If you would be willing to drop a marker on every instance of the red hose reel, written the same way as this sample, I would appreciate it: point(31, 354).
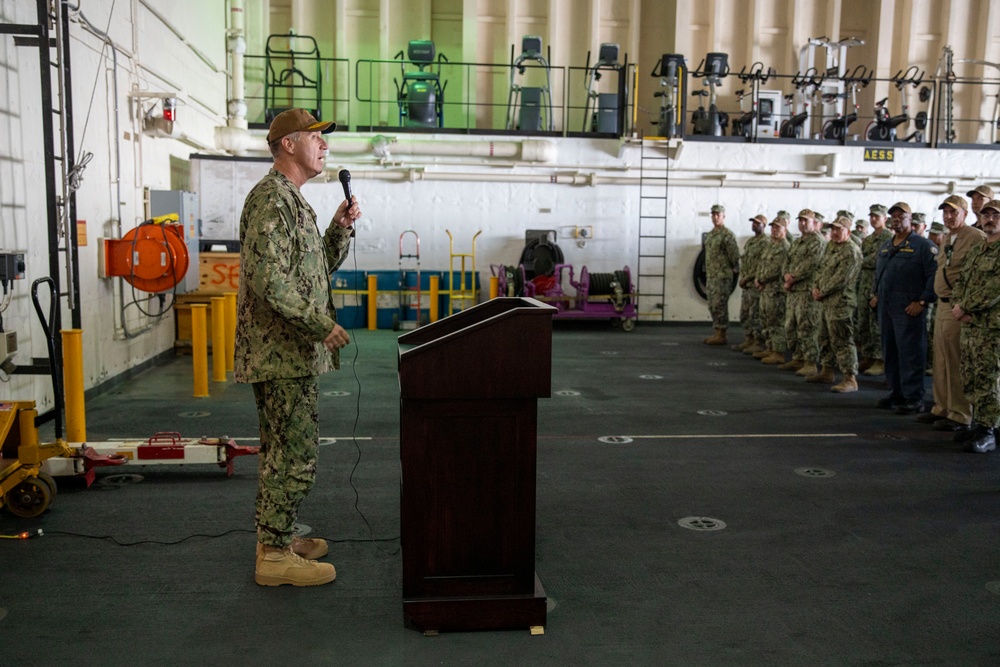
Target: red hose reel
point(152, 257)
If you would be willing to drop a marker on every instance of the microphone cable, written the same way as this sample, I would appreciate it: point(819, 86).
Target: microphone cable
point(357, 412)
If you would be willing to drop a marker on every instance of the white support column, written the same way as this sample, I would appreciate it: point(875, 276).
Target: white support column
point(884, 47)
point(753, 34)
point(470, 44)
point(987, 20)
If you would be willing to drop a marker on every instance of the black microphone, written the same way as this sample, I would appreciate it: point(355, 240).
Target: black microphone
point(345, 180)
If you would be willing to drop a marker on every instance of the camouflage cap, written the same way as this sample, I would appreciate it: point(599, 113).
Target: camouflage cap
point(762, 219)
point(842, 221)
point(784, 215)
point(993, 205)
point(861, 223)
point(937, 227)
point(902, 206)
point(983, 190)
point(819, 216)
point(805, 214)
point(845, 214)
point(919, 219)
point(718, 208)
point(956, 202)
point(877, 209)
point(781, 222)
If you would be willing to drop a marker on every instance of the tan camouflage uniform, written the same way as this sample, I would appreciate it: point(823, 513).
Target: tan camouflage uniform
point(977, 292)
point(769, 273)
point(868, 338)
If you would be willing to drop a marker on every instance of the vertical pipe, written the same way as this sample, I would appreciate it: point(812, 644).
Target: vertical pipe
point(372, 302)
point(230, 298)
point(494, 287)
point(76, 419)
point(218, 339)
point(199, 349)
point(432, 309)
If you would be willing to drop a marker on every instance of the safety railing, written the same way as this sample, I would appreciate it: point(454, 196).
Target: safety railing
point(910, 108)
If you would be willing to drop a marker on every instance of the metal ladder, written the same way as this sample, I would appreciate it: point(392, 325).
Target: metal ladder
point(50, 36)
point(651, 275)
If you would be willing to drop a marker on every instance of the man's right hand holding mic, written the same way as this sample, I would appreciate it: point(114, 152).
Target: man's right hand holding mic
point(346, 214)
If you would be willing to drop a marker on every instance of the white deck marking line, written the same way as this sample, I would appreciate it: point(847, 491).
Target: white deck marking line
point(745, 435)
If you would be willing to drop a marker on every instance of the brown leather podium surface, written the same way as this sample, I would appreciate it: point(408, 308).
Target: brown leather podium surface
point(469, 388)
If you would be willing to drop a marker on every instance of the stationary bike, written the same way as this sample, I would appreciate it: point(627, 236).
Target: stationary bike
point(837, 128)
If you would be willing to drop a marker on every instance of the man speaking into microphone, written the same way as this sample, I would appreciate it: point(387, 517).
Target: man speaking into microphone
point(286, 335)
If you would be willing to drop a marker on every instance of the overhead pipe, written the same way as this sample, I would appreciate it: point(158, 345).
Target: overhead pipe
point(592, 179)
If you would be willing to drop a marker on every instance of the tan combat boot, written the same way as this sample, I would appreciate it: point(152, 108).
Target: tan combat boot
point(757, 346)
point(719, 338)
point(774, 358)
point(846, 386)
point(793, 365)
point(277, 566)
point(877, 368)
point(309, 548)
point(864, 364)
point(825, 376)
point(807, 370)
point(760, 354)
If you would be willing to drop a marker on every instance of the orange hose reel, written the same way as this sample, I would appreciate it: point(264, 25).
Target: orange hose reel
point(152, 257)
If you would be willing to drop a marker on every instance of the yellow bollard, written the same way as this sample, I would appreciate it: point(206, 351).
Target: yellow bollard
point(494, 287)
point(372, 302)
point(218, 339)
point(432, 309)
point(199, 349)
point(230, 298)
point(76, 418)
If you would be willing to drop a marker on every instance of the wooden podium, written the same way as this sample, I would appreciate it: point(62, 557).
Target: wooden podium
point(469, 388)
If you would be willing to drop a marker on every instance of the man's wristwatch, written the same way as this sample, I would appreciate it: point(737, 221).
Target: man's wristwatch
point(923, 304)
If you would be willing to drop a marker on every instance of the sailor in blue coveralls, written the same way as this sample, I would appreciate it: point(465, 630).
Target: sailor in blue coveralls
point(904, 287)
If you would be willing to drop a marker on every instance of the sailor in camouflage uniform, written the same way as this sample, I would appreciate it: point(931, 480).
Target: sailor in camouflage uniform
point(976, 304)
point(722, 264)
point(286, 335)
point(768, 280)
point(802, 314)
point(868, 337)
point(750, 301)
point(835, 289)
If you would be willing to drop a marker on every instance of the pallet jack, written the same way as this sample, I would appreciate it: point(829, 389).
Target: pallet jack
point(28, 468)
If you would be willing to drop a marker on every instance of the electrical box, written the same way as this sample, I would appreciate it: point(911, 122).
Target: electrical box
point(11, 266)
point(187, 207)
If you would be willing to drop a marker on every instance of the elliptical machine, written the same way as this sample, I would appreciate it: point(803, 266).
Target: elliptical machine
point(758, 114)
point(712, 69)
point(533, 105)
point(601, 111)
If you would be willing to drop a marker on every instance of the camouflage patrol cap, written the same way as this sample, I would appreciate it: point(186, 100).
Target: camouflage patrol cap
point(819, 217)
point(993, 205)
point(861, 223)
point(780, 222)
point(919, 219)
point(956, 202)
point(845, 214)
point(877, 209)
point(842, 221)
point(983, 190)
point(937, 227)
point(718, 208)
point(805, 214)
point(902, 206)
point(784, 215)
point(762, 219)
